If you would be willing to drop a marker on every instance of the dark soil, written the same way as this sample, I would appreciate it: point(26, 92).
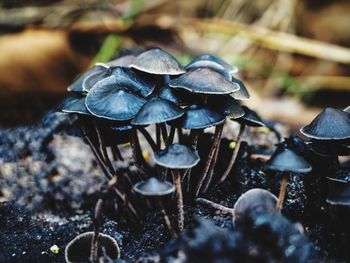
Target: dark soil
point(54, 183)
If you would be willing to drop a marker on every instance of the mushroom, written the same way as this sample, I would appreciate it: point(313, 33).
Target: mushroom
point(207, 58)
point(286, 161)
point(329, 126)
point(250, 118)
point(155, 189)
point(177, 157)
point(123, 61)
point(251, 200)
point(78, 249)
point(339, 192)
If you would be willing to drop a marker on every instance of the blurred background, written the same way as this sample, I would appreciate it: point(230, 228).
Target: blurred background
point(294, 55)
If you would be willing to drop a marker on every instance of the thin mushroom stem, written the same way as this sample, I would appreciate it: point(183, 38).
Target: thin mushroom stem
point(179, 199)
point(158, 136)
point(116, 153)
point(164, 132)
point(234, 154)
point(171, 136)
point(221, 208)
point(180, 135)
point(148, 138)
point(215, 143)
point(194, 136)
point(103, 148)
point(282, 193)
point(166, 218)
point(140, 163)
point(334, 159)
point(97, 222)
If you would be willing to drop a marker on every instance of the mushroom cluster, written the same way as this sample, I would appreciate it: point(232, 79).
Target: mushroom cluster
point(153, 95)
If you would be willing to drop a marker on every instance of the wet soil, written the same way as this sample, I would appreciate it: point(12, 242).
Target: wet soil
point(50, 183)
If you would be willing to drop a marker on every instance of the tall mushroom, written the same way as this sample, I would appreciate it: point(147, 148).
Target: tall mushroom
point(155, 189)
point(286, 161)
point(178, 158)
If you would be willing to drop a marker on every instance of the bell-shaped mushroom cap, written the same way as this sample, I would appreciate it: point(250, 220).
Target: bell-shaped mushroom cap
point(113, 103)
point(78, 250)
point(167, 93)
point(95, 77)
point(153, 187)
point(251, 118)
point(157, 110)
point(254, 199)
point(242, 93)
point(77, 85)
point(288, 161)
point(207, 57)
point(211, 65)
point(204, 81)
point(124, 62)
point(347, 109)
point(339, 192)
point(226, 105)
point(176, 156)
point(74, 105)
point(196, 117)
point(157, 61)
point(330, 124)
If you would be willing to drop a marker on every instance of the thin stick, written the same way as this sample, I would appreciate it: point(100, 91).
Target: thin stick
point(179, 199)
point(234, 154)
point(97, 222)
point(166, 218)
point(221, 208)
point(215, 143)
point(282, 193)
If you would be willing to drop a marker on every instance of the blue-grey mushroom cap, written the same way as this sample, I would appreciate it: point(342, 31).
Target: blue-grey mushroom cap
point(168, 93)
point(177, 156)
point(288, 161)
point(339, 192)
point(79, 249)
point(94, 78)
point(124, 62)
point(211, 65)
point(113, 103)
point(254, 199)
point(204, 81)
point(157, 61)
point(347, 109)
point(157, 110)
point(77, 85)
point(226, 105)
point(207, 57)
point(242, 93)
point(330, 124)
point(153, 187)
point(196, 117)
point(74, 105)
point(251, 118)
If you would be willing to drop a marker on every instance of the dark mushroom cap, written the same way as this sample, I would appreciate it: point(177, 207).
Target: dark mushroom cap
point(157, 61)
point(207, 57)
point(250, 118)
point(242, 93)
point(330, 124)
point(325, 147)
point(211, 65)
point(288, 161)
point(153, 187)
point(124, 62)
point(167, 93)
point(176, 156)
point(78, 250)
point(339, 192)
point(74, 105)
point(254, 199)
point(204, 81)
point(347, 109)
point(196, 117)
point(226, 105)
point(95, 77)
point(157, 110)
point(113, 103)
point(77, 85)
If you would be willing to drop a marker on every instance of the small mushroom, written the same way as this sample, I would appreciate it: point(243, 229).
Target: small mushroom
point(157, 61)
point(330, 125)
point(124, 61)
point(232, 69)
point(242, 93)
point(339, 192)
point(251, 200)
point(155, 189)
point(75, 105)
point(177, 157)
point(168, 93)
point(95, 77)
point(204, 81)
point(250, 118)
point(286, 161)
point(78, 250)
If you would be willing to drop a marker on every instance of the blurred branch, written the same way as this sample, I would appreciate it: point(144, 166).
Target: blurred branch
point(266, 38)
